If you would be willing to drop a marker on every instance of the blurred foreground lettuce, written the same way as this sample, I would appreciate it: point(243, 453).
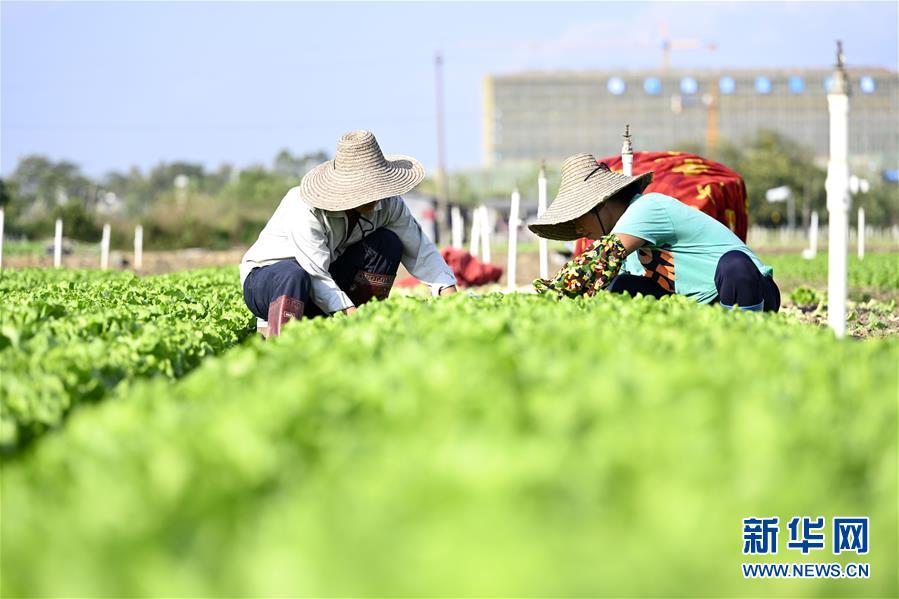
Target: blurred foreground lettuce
point(513, 446)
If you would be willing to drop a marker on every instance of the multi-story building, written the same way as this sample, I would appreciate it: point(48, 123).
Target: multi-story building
point(551, 115)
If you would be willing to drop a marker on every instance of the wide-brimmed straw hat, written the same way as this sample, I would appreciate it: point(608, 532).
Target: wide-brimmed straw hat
point(585, 185)
point(359, 174)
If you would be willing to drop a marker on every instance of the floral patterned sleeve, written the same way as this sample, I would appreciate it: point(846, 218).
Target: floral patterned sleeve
point(588, 272)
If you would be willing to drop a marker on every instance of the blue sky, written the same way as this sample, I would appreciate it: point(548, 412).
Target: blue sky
point(111, 85)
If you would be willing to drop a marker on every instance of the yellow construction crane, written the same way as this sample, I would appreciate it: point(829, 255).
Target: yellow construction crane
point(669, 44)
point(600, 43)
point(711, 99)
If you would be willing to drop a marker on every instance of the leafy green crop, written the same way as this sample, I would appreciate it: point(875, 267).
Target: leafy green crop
point(463, 446)
point(68, 337)
point(875, 271)
point(803, 296)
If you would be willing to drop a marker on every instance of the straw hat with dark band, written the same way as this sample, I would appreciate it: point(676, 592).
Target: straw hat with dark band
point(359, 174)
point(585, 185)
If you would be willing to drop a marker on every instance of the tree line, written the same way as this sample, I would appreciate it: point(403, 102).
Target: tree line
point(182, 204)
point(179, 204)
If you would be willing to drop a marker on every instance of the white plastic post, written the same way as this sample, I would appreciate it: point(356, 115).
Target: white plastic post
point(458, 227)
point(627, 153)
point(513, 239)
point(541, 208)
point(104, 247)
point(627, 164)
point(1, 237)
point(791, 213)
point(486, 230)
point(138, 247)
point(838, 198)
point(812, 250)
point(475, 237)
point(861, 233)
point(57, 244)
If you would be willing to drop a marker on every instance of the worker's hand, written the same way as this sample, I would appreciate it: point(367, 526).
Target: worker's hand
point(448, 290)
point(349, 311)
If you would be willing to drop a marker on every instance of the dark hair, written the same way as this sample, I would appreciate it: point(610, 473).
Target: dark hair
point(627, 192)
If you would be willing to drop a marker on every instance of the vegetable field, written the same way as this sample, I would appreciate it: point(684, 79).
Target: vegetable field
point(471, 445)
point(69, 337)
point(876, 274)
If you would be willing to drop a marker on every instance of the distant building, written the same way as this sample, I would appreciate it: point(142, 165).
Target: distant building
point(551, 115)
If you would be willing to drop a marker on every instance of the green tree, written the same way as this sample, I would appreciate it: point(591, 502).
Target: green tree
point(42, 184)
point(292, 168)
point(5, 195)
point(256, 189)
point(79, 223)
point(771, 160)
point(881, 205)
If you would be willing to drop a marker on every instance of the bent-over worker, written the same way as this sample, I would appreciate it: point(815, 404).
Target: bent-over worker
point(337, 240)
point(647, 243)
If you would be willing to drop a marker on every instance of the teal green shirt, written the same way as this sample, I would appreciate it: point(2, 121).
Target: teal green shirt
point(683, 247)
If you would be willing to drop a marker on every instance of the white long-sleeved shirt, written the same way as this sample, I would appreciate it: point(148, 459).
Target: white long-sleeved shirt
point(315, 238)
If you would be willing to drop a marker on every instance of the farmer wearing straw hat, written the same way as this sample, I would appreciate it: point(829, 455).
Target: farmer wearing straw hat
point(647, 243)
point(337, 240)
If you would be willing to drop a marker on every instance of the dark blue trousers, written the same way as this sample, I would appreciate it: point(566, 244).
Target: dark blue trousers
point(737, 280)
point(378, 253)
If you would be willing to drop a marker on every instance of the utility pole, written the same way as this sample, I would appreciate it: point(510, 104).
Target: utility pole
point(441, 181)
point(838, 198)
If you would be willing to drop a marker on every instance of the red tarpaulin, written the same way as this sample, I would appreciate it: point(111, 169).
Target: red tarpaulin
point(469, 270)
point(709, 186)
